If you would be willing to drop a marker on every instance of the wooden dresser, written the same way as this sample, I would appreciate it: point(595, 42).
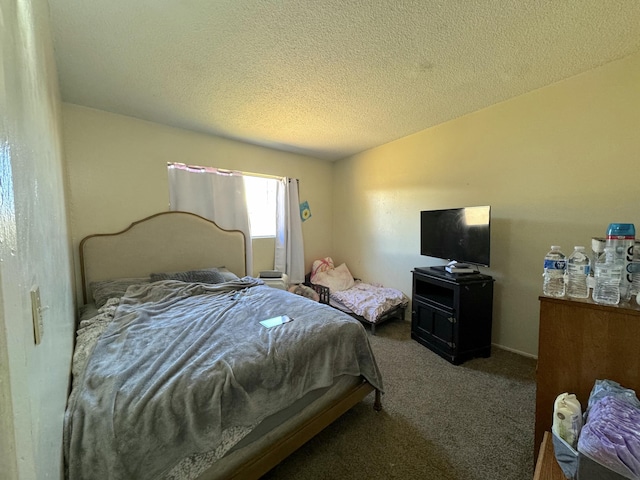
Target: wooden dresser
point(581, 342)
point(547, 467)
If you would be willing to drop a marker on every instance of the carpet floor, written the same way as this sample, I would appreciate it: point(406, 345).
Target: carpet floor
point(474, 421)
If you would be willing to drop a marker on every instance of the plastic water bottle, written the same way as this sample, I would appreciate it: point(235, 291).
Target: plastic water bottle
point(608, 274)
point(621, 236)
point(597, 247)
point(578, 266)
point(554, 270)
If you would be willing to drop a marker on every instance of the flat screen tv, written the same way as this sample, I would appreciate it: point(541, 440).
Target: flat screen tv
point(457, 234)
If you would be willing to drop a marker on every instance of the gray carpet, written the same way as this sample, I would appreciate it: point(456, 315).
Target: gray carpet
point(439, 421)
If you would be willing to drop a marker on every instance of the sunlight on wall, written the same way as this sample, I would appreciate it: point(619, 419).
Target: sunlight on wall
point(8, 235)
point(503, 156)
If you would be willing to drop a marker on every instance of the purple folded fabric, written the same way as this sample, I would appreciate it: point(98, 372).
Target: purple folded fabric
point(611, 435)
point(606, 388)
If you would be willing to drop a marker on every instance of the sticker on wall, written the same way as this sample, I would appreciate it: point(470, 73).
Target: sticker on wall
point(305, 211)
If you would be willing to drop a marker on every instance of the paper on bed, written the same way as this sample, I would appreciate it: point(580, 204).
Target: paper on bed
point(182, 363)
point(275, 321)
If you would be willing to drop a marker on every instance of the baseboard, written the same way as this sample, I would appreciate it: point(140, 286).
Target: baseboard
point(513, 350)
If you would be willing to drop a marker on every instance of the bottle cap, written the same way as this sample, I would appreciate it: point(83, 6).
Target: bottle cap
point(577, 247)
point(621, 230)
point(597, 244)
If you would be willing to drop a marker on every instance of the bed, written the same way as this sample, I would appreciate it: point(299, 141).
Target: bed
point(173, 375)
point(371, 304)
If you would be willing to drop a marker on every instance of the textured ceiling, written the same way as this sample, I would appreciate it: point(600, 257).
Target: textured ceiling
point(327, 78)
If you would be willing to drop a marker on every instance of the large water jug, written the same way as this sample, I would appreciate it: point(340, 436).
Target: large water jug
point(621, 236)
point(635, 269)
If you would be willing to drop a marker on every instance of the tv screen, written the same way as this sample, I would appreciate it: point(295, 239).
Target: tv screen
point(460, 234)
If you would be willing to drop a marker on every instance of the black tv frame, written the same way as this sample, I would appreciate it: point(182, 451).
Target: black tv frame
point(445, 235)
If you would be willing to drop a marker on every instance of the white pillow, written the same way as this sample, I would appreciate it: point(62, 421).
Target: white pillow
point(337, 279)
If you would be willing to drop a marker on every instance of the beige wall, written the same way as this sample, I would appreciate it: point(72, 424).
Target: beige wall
point(34, 248)
point(118, 174)
point(550, 163)
point(557, 166)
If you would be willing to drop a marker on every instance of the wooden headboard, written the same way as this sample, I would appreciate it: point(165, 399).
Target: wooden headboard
point(164, 242)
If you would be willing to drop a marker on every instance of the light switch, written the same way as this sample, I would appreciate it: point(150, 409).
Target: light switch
point(36, 315)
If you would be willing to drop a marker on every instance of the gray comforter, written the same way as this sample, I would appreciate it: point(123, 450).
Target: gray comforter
point(180, 364)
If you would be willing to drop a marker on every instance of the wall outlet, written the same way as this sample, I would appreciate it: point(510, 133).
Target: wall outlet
point(36, 315)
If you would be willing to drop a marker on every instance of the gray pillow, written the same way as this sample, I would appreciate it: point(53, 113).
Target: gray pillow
point(228, 275)
point(209, 275)
point(106, 289)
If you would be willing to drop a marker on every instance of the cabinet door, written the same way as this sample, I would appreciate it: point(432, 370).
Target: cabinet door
point(434, 325)
point(579, 343)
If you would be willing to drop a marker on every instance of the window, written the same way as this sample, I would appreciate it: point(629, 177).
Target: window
point(260, 193)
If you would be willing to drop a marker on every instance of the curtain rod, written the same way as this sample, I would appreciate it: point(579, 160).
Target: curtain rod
point(221, 171)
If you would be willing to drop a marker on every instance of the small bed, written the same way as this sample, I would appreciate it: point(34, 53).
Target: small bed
point(369, 303)
point(173, 375)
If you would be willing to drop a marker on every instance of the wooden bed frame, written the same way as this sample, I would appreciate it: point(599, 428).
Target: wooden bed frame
point(195, 242)
point(285, 446)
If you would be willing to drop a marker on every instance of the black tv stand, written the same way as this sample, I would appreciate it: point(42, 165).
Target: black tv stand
point(452, 313)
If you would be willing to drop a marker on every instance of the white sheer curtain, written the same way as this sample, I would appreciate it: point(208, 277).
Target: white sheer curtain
point(289, 254)
point(214, 194)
